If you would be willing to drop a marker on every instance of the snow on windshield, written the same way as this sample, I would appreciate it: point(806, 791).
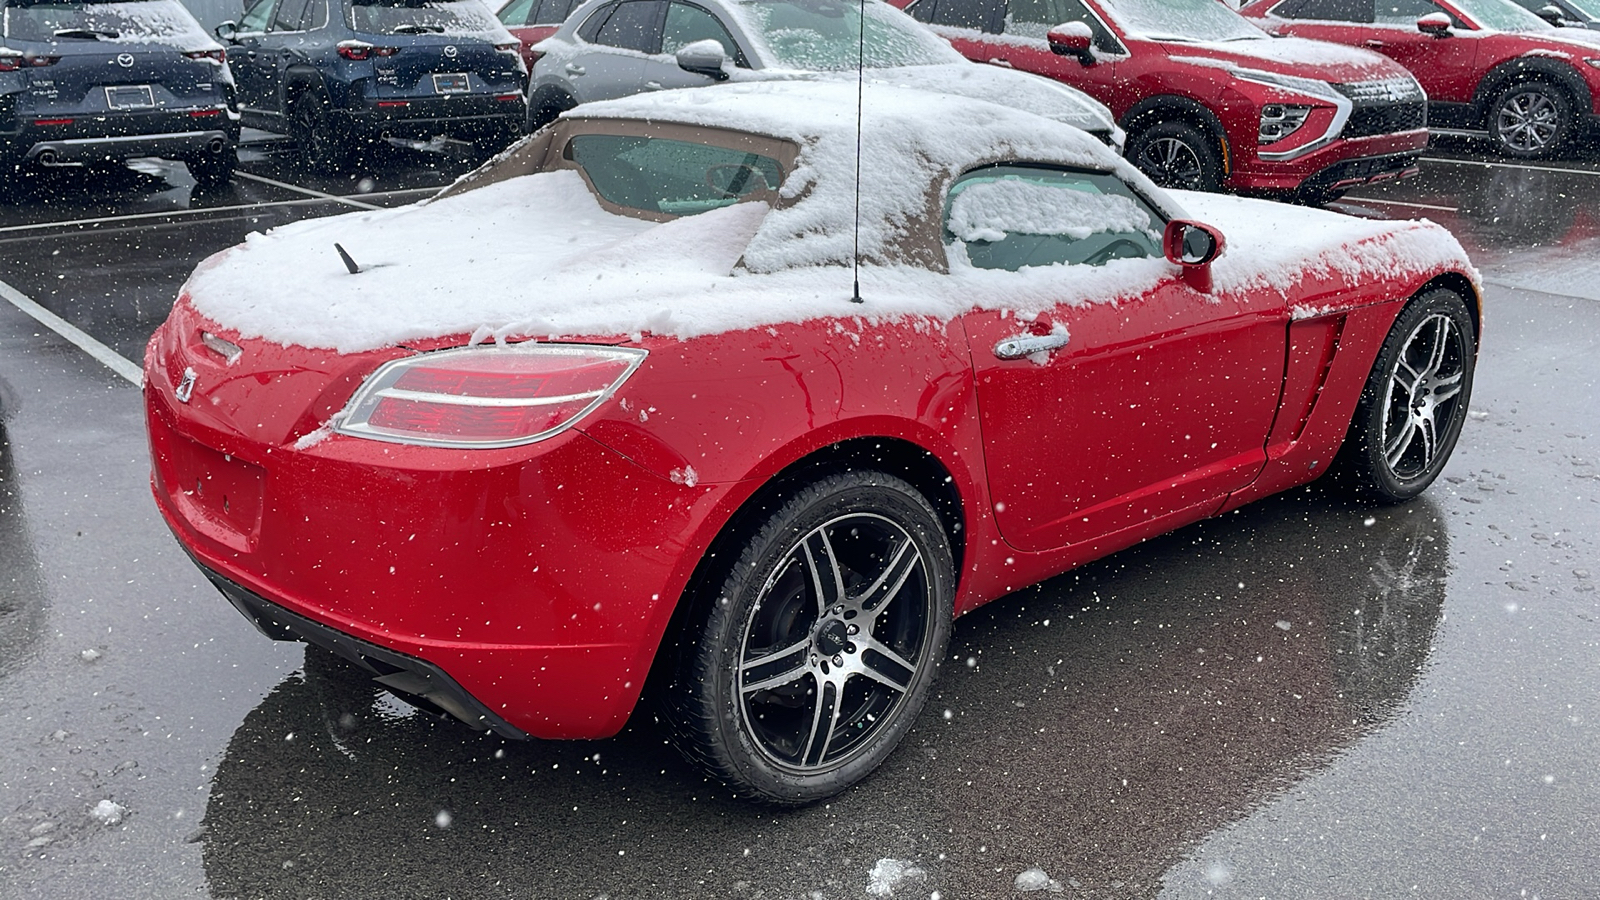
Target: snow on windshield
point(139, 22)
point(825, 35)
point(989, 211)
point(1182, 20)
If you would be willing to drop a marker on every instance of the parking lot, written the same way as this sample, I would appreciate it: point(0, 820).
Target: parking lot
point(1302, 699)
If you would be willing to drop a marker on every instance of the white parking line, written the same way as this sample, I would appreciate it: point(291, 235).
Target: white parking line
point(308, 191)
point(1500, 165)
point(197, 211)
point(113, 360)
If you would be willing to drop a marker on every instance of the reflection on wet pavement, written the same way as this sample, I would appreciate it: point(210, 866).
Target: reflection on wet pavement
point(22, 596)
point(1097, 724)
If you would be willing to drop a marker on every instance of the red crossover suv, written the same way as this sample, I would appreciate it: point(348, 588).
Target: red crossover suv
point(1489, 66)
point(1208, 100)
point(608, 410)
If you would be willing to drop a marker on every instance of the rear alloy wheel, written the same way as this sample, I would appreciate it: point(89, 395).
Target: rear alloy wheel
point(322, 149)
point(213, 170)
point(1415, 401)
point(1530, 120)
point(821, 643)
point(1177, 155)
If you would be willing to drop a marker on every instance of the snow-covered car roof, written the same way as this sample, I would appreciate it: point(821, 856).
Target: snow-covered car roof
point(505, 254)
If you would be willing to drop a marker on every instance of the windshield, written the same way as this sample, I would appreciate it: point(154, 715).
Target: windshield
point(678, 178)
point(460, 17)
point(825, 35)
point(1502, 16)
point(137, 22)
point(1182, 20)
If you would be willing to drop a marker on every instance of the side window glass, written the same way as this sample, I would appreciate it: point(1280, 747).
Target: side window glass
point(517, 13)
point(988, 16)
point(316, 15)
point(1407, 12)
point(678, 178)
point(687, 24)
point(289, 15)
point(592, 25)
point(1035, 18)
point(256, 17)
point(636, 25)
point(1359, 11)
point(1016, 217)
point(554, 12)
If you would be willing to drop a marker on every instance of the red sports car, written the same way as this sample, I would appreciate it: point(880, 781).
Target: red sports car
point(1490, 67)
point(1208, 100)
point(608, 412)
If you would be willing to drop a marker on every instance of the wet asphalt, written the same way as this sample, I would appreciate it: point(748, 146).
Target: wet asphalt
point(1302, 699)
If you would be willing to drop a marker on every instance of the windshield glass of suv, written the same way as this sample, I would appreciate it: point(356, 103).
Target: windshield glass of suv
point(825, 35)
point(1182, 20)
point(1502, 16)
point(458, 17)
point(138, 22)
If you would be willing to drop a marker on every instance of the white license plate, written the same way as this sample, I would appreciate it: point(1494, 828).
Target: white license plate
point(452, 84)
point(130, 96)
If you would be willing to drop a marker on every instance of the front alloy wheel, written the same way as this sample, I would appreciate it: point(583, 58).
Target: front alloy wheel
point(1529, 120)
point(822, 642)
point(1177, 155)
point(1415, 401)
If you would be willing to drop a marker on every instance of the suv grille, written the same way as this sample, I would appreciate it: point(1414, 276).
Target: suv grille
point(1384, 106)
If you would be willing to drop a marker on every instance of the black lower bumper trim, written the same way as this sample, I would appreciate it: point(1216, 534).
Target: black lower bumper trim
point(419, 682)
point(1351, 172)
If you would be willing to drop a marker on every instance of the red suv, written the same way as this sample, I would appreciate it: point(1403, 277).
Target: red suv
point(1489, 66)
point(1209, 101)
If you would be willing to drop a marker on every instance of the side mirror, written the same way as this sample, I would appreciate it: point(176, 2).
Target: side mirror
point(1435, 24)
point(227, 31)
point(1072, 39)
point(703, 58)
point(1551, 14)
point(1193, 246)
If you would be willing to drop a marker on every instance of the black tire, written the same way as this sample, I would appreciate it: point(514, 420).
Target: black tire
point(775, 616)
point(1530, 120)
point(544, 107)
point(213, 170)
point(322, 149)
point(1177, 155)
point(1414, 403)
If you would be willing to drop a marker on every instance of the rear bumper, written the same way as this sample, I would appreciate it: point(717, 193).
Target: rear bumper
point(172, 145)
point(479, 116)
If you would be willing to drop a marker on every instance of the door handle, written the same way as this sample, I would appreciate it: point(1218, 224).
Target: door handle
point(1374, 43)
point(653, 85)
point(250, 54)
point(1029, 344)
point(574, 69)
point(998, 61)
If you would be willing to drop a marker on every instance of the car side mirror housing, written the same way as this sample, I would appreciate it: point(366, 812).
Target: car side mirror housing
point(1193, 246)
point(1435, 24)
point(705, 57)
point(227, 31)
point(1072, 39)
point(1551, 14)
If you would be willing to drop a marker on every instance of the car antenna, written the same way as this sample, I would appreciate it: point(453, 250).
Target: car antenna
point(861, 54)
point(348, 262)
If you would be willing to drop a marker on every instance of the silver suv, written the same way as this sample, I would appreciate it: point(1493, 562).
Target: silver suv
point(612, 48)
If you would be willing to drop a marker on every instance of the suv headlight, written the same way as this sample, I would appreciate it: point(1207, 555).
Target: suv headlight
point(1279, 120)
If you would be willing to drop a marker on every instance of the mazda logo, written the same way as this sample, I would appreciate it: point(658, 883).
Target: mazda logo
point(450, 52)
point(125, 60)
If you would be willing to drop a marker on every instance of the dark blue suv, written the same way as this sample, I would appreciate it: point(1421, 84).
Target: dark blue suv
point(338, 74)
point(88, 82)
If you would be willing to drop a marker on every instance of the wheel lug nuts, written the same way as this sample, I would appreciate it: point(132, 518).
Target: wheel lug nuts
point(838, 660)
point(852, 629)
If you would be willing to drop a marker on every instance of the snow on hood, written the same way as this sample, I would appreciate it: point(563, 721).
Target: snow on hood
point(1298, 56)
point(1020, 90)
point(536, 256)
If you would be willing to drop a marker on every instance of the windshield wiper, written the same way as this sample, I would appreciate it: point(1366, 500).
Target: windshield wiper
point(417, 29)
point(88, 34)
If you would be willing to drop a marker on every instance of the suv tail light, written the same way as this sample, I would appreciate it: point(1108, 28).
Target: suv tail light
point(219, 55)
point(11, 61)
point(487, 396)
point(361, 50)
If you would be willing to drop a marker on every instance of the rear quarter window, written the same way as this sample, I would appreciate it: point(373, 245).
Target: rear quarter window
point(668, 177)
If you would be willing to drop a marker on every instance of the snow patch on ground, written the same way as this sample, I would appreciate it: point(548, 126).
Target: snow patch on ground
point(889, 874)
point(109, 813)
point(1036, 879)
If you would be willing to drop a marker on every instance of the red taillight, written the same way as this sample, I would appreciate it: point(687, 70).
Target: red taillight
point(508, 98)
point(219, 55)
point(487, 396)
point(202, 113)
point(52, 121)
point(393, 104)
point(361, 50)
point(11, 62)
